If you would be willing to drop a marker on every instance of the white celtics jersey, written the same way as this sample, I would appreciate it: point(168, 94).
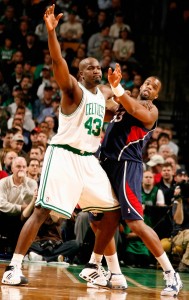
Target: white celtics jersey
point(83, 127)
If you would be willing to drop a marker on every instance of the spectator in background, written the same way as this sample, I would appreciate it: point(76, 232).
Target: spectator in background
point(50, 121)
point(41, 33)
point(137, 80)
point(20, 121)
point(6, 138)
point(151, 194)
point(165, 151)
point(126, 80)
point(16, 192)
point(181, 175)
point(18, 109)
point(7, 161)
point(118, 25)
point(3, 174)
point(33, 169)
point(17, 144)
point(45, 81)
point(17, 58)
point(43, 127)
point(72, 29)
point(173, 160)
point(150, 152)
point(26, 85)
point(90, 23)
point(2, 33)
point(167, 182)
point(49, 111)
point(33, 137)
point(156, 132)
point(163, 139)
point(47, 61)
point(41, 104)
point(32, 49)
point(6, 53)
point(172, 144)
point(10, 21)
point(155, 163)
point(179, 241)
point(22, 33)
point(5, 91)
point(43, 138)
point(124, 48)
point(16, 76)
point(16, 99)
point(96, 40)
point(135, 92)
point(35, 153)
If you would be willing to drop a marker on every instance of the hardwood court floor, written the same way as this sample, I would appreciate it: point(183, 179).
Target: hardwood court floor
point(55, 282)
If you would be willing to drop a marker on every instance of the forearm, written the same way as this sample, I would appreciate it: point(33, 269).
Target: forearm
point(28, 210)
point(54, 46)
point(178, 216)
point(10, 208)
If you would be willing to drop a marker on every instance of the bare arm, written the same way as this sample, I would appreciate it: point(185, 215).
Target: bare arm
point(178, 216)
point(29, 208)
point(67, 83)
point(133, 107)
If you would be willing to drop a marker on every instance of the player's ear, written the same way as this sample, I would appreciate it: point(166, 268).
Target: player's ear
point(81, 74)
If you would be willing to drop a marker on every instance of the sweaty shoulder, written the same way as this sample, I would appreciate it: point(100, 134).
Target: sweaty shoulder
point(106, 91)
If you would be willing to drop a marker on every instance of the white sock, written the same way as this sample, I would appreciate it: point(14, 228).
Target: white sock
point(165, 263)
point(17, 260)
point(113, 263)
point(98, 258)
point(92, 259)
point(95, 258)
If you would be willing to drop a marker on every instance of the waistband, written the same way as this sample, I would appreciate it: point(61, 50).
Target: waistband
point(72, 149)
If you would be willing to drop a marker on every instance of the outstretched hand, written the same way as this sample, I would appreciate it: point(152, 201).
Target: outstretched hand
point(114, 77)
point(50, 20)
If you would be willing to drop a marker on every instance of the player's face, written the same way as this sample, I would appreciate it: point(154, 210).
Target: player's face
point(92, 74)
point(150, 89)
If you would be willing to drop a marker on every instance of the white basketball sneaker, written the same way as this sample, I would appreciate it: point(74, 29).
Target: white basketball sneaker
point(13, 276)
point(173, 284)
point(93, 274)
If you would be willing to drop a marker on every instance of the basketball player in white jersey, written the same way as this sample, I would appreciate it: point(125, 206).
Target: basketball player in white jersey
point(71, 174)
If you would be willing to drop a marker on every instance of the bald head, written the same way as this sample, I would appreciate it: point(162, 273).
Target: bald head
point(84, 63)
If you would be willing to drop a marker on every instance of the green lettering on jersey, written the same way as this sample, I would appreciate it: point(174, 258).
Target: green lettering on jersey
point(94, 126)
point(95, 109)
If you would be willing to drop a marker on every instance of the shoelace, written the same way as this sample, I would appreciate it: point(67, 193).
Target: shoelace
point(169, 279)
point(102, 271)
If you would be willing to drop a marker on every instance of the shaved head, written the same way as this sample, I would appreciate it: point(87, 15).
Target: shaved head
point(87, 61)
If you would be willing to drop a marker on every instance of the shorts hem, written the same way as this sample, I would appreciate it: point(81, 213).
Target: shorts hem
point(65, 214)
point(100, 209)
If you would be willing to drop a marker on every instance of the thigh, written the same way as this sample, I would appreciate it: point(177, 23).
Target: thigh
point(126, 180)
point(60, 183)
point(97, 194)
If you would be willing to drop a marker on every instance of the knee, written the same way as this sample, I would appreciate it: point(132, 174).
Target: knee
point(137, 226)
point(40, 214)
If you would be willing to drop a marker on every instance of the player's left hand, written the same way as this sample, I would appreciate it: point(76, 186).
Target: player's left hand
point(114, 77)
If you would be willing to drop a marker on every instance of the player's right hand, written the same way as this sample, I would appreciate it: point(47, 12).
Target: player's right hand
point(50, 20)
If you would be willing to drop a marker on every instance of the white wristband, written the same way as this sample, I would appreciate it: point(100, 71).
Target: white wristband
point(118, 90)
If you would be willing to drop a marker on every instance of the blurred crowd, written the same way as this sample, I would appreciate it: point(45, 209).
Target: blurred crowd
point(109, 30)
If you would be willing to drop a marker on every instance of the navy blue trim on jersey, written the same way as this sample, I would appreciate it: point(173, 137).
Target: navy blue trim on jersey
point(125, 138)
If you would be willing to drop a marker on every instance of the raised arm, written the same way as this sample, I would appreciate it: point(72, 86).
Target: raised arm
point(133, 107)
point(66, 82)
